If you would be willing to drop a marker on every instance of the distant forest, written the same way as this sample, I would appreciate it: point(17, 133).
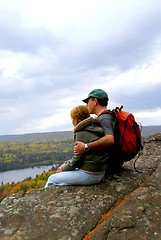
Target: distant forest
point(17, 155)
point(60, 135)
point(25, 185)
point(38, 149)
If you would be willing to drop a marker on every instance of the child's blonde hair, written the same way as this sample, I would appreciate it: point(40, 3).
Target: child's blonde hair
point(80, 112)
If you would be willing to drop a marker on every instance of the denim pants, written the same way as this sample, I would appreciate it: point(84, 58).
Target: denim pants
point(75, 177)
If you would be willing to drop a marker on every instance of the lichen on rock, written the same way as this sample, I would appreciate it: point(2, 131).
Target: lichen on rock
point(126, 205)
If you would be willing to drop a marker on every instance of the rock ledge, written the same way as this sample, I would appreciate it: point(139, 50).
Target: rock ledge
point(127, 205)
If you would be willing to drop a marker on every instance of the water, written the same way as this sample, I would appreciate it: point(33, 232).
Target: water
point(21, 174)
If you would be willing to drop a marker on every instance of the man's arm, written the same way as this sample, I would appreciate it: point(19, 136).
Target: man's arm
point(101, 143)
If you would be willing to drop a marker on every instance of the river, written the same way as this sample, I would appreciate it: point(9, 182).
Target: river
point(21, 174)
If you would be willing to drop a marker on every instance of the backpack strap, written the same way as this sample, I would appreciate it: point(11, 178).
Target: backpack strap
point(108, 112)
point(113, 112)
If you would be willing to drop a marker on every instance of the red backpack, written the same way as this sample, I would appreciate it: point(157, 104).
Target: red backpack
point(127, 136)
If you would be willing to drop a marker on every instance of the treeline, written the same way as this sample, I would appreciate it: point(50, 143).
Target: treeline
point(25, 185)
point(60, 135)
point(17, 155)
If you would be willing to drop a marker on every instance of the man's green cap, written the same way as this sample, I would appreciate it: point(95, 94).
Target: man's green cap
point(97, 93)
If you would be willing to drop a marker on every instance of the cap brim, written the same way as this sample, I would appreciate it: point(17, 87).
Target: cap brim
point(85, 100)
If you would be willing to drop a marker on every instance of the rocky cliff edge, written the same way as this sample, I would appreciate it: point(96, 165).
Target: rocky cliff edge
point(127, 205)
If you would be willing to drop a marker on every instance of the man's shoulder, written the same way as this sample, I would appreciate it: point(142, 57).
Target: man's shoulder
point(106, 115)
point(107, 122)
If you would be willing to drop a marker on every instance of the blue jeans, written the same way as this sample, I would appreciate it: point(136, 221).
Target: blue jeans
point(75, 177)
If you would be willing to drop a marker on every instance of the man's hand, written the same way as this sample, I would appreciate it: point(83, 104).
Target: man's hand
point(79, 148)
point(60, 168)
point(101, 143)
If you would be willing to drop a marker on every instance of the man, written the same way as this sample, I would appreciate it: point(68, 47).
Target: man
point(97, 102)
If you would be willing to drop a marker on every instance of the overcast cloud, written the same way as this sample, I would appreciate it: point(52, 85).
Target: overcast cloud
point(53, 53)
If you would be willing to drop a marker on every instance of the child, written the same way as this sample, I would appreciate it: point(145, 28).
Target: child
point(88, 168)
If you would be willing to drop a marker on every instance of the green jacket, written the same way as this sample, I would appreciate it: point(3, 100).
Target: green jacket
point(87, 131)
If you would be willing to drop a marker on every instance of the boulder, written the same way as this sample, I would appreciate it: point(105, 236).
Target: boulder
point(126, 205)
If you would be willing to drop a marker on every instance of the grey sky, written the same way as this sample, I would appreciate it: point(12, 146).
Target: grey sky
point(53, 53)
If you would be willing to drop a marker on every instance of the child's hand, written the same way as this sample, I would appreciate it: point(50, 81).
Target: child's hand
point(60, 168)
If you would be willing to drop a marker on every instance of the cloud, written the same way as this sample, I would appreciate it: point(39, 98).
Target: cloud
point(53, 53)
point(152, 115)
